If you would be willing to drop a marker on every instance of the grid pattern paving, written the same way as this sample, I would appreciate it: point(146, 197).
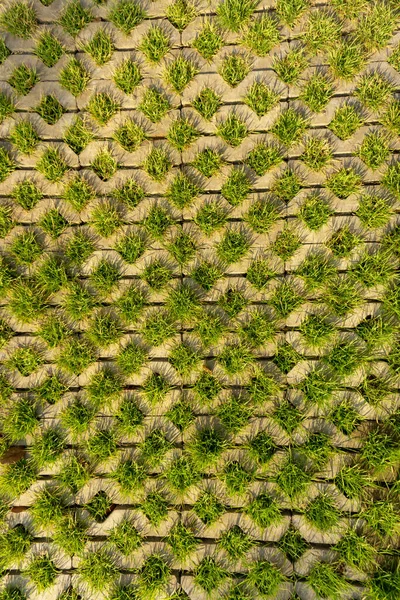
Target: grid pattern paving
point(200, 303)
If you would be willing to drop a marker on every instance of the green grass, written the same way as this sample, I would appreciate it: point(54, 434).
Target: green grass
point(261, 35)
point(344, 182)
point(6, 333)
point(315, 212)
point(42, 572)
point(233, 130)
point(71, 534)
point(4, 51)
point(6, 107)
point(292, 480)
point(374, 149)
point(179, 73)
point(102, 107)
point(154, 574)
point(21, 420)
point(316, 270)
point(374, 90)
point(286, 357)
point(345, 417)
point(349, 9)
point(263, 510)
point(99, 507)
point(236, 187)
point(27, 300)
point(154, 447)
point(182, 134)
point(126, 15)
point(260, 98)
point(322, 513)
point(26, 248)
point(265, 577)
point(206, 275)
point(351, 481)
point(208, 162)
point(19, 19)
point(74, 77)
point(289, 127)
point(49, 49)
point(234, 69)
point(98, 570)
point(74, 474)
point(155, 44)
point(346, 121)
point(286, 244)
point(131, 247)
point(261, 216)
point(76, 356)
point(184, 359)
point(78, 136)
point(154, 104)
point(221, 256)
point(237, 477)
point(52, 165)
point(15, 543)
point(322, 31)
point(317, 92)
point(346, 59)
point(290, 66)
point(27, 194)
point(376, 26)
point(130, 135)
point(316, 330)
point(77, 417)
point(100, 47)
point(125, 537)
point(104, 165)
point(78, 193)
point(155, 508)
point(182, 541)
point(53, 223)
point(292, 544)
point(130, 476)
point(209, 41)
point(127, 76)
point(233, 14)
point(391, 118)
point(104, 330)
point(287, 185)
point(290, 10)
point(207, 446)
point(17, 478)
point(209, 574)
point(130, 193)
point(326, 581)
point(263, 157)
point(235, 542)
point(105, 219)
point(47, 447)
point(7, 164)
point(74, 18)
point(317, 153)
point(6, 221)
point(23, 79)
point(157, 164)
point(207, 102)
point(180, 13)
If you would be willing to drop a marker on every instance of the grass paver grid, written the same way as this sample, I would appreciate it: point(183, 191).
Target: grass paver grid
point(199, 300)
